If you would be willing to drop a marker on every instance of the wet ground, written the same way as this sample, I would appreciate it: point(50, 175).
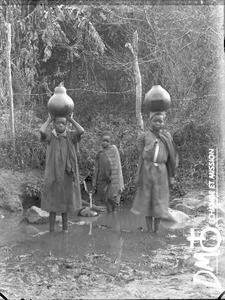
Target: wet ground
point(109, 257)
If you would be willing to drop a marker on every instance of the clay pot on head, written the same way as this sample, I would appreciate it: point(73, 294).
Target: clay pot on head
point(157, 99)
point(60, 104)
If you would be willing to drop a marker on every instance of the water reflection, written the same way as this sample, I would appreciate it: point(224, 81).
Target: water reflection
point(11, 228)
point(109, 235)
point(58, 243)
point(124, 220)
point(106, 234)
point(106, 243)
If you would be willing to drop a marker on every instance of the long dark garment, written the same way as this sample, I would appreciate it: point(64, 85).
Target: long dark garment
point(109, 178)
point(61, 191)
point(152, 197)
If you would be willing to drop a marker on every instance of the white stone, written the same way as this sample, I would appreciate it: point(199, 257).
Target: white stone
point(179, 216)
point(37, 215)
point(178, 219)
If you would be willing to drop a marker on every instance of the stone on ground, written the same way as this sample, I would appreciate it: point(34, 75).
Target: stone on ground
point(184, 208)
point(179, 216)
point(36, 215)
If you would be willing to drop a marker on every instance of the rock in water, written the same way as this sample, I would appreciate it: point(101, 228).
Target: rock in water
point(37, 215)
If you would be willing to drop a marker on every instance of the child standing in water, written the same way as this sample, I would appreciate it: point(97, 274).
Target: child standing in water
point(156, 169)
point(108, 177)
point(61, 191)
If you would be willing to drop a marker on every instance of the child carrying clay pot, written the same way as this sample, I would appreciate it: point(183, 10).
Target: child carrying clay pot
point(156, 170)
point(61, 191)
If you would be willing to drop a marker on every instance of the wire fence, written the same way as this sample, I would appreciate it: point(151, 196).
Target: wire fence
point(132, 91)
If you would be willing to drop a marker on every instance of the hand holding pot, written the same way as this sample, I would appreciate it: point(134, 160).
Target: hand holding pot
point(50, 118)
point(69, 118)
point(171, 181)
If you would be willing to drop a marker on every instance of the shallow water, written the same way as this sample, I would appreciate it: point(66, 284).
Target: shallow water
point(115, 244)
point(103, 234)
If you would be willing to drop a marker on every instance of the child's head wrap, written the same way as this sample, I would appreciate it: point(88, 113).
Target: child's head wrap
point(152, 114)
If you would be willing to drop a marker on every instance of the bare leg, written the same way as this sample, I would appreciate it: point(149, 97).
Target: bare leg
point(149, 223)
point(108, 207)
point(65, 221)
point(113, 204)
point(156, 225)
point(52, 217)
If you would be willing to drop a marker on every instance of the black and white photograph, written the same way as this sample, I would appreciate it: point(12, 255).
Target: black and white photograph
point(112, 149)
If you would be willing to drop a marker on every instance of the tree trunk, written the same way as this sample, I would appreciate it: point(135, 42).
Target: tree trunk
point(9, 81)
point(134, 50)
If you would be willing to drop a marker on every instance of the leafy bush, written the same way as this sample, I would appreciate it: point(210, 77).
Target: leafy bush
point(193, 139)
point(30, 153)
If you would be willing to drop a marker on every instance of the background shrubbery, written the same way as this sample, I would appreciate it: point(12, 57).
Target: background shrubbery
point(179, 47)
point(192, 139)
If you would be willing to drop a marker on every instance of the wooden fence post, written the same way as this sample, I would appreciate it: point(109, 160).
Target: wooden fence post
point(9, 81)
point(138, 83)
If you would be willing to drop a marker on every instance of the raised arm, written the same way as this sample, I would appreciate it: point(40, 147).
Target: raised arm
point(43, 129)
point(79, 128)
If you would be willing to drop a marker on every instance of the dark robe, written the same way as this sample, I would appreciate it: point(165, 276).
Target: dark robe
point(109, 177)
point(61, 191)
point(152, 197)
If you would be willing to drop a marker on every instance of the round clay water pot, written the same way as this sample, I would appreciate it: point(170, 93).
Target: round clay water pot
point(60, 104)
point(157, 99)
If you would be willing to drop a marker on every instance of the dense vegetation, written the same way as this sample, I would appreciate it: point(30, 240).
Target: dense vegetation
point(180, 47)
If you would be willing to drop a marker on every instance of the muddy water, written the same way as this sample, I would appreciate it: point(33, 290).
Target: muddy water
point(14, 228)
point(92, 253)
point(119, 235)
